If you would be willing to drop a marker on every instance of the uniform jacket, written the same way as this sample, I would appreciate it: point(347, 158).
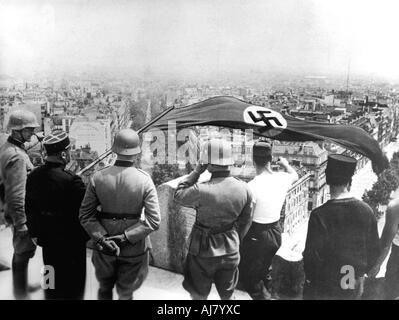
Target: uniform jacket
point(14, 168)
point(224, 213)
point(121, 189)
point(341, 233)
point(53, 198)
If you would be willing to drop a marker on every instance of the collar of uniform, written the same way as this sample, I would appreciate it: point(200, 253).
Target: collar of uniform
point(121, 163)
point(54, 164)
point(16, 142)
point(220, 174)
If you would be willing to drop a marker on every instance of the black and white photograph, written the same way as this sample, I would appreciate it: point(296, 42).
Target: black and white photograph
point(199, 150)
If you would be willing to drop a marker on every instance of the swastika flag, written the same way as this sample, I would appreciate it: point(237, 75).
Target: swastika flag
point(234, 113)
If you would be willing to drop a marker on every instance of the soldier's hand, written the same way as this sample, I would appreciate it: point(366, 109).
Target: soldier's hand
point(108, 246)
point(200, 168)
point(22, 230)
point(118, 239)
point(373, 272)
point(282, 162)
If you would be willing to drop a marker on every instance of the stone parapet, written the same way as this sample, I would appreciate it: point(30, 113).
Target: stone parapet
point(170, 241)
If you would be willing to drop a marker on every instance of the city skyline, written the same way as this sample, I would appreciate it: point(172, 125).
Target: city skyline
point(190, 38)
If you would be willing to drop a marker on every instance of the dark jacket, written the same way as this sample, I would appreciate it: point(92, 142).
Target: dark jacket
point(342, 234)
point(53, 198)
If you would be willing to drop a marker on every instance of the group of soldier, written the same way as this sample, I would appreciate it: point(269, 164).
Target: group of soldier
point(51, 207)
point(234, 238)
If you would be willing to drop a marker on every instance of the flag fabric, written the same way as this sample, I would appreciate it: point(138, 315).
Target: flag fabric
point(231, 112)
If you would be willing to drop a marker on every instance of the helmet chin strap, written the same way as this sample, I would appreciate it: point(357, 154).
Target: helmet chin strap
point(20, 137)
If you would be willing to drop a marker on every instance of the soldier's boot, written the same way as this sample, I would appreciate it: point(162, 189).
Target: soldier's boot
point(260, 292)
point(195, 296)
point(20, 278)
point(104, 294)
point(228, 296)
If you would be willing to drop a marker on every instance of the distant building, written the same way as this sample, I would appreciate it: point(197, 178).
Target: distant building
point(63, 123)
point(82, 157)
point(295, 211)
point(314, 158)
point(96, 134)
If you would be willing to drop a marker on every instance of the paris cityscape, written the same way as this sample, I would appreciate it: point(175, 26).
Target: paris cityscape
point(92, 96)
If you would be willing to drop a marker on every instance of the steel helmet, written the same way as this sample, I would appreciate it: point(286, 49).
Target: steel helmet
point(20, 119)
point(218, 152)
point(126, 142)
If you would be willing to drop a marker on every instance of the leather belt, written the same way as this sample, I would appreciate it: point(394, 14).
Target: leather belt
point(214, 230)
point(118, 216)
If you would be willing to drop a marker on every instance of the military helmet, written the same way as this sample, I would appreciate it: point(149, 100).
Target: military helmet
point(217, 152)
point(126, 142)
point(20, 119)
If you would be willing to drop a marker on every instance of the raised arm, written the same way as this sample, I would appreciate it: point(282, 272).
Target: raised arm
point(187, 192)
point(290, 170)
point(390, 229)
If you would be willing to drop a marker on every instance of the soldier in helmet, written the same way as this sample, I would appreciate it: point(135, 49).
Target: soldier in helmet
point(121, 255)
point(53, 198)
point(14, 169)
point(224, 213)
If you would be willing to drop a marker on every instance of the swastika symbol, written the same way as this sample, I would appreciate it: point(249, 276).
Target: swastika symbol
point(266, 120)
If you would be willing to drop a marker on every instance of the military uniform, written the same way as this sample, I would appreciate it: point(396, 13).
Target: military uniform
point(342, 232)
point(15, 166)
point(121, 191)
point(224, 212)
point(342, 242)
point(53, 198)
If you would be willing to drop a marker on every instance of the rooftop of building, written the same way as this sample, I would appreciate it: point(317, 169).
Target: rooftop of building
point(312, 148)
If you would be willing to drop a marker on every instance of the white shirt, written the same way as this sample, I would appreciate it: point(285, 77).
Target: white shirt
point(269, 191)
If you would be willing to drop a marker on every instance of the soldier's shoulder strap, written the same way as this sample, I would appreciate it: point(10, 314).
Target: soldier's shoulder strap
point(238, 179)
point(243, 182)
point(144, 172)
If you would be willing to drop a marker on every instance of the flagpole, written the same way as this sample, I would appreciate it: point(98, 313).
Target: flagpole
point(108, 152)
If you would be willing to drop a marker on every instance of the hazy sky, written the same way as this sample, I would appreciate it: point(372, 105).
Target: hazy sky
point(199, 36)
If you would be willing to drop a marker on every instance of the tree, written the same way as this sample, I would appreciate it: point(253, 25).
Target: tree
point(138, 112)
point(388, 181)
point(162, 173)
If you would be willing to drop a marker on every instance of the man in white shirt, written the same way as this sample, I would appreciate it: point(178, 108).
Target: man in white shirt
point(263, 239)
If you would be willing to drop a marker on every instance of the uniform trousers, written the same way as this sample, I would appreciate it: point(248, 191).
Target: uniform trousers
point(201, 272)
point(126, 273)
point(69, 263)
point(24, 249)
